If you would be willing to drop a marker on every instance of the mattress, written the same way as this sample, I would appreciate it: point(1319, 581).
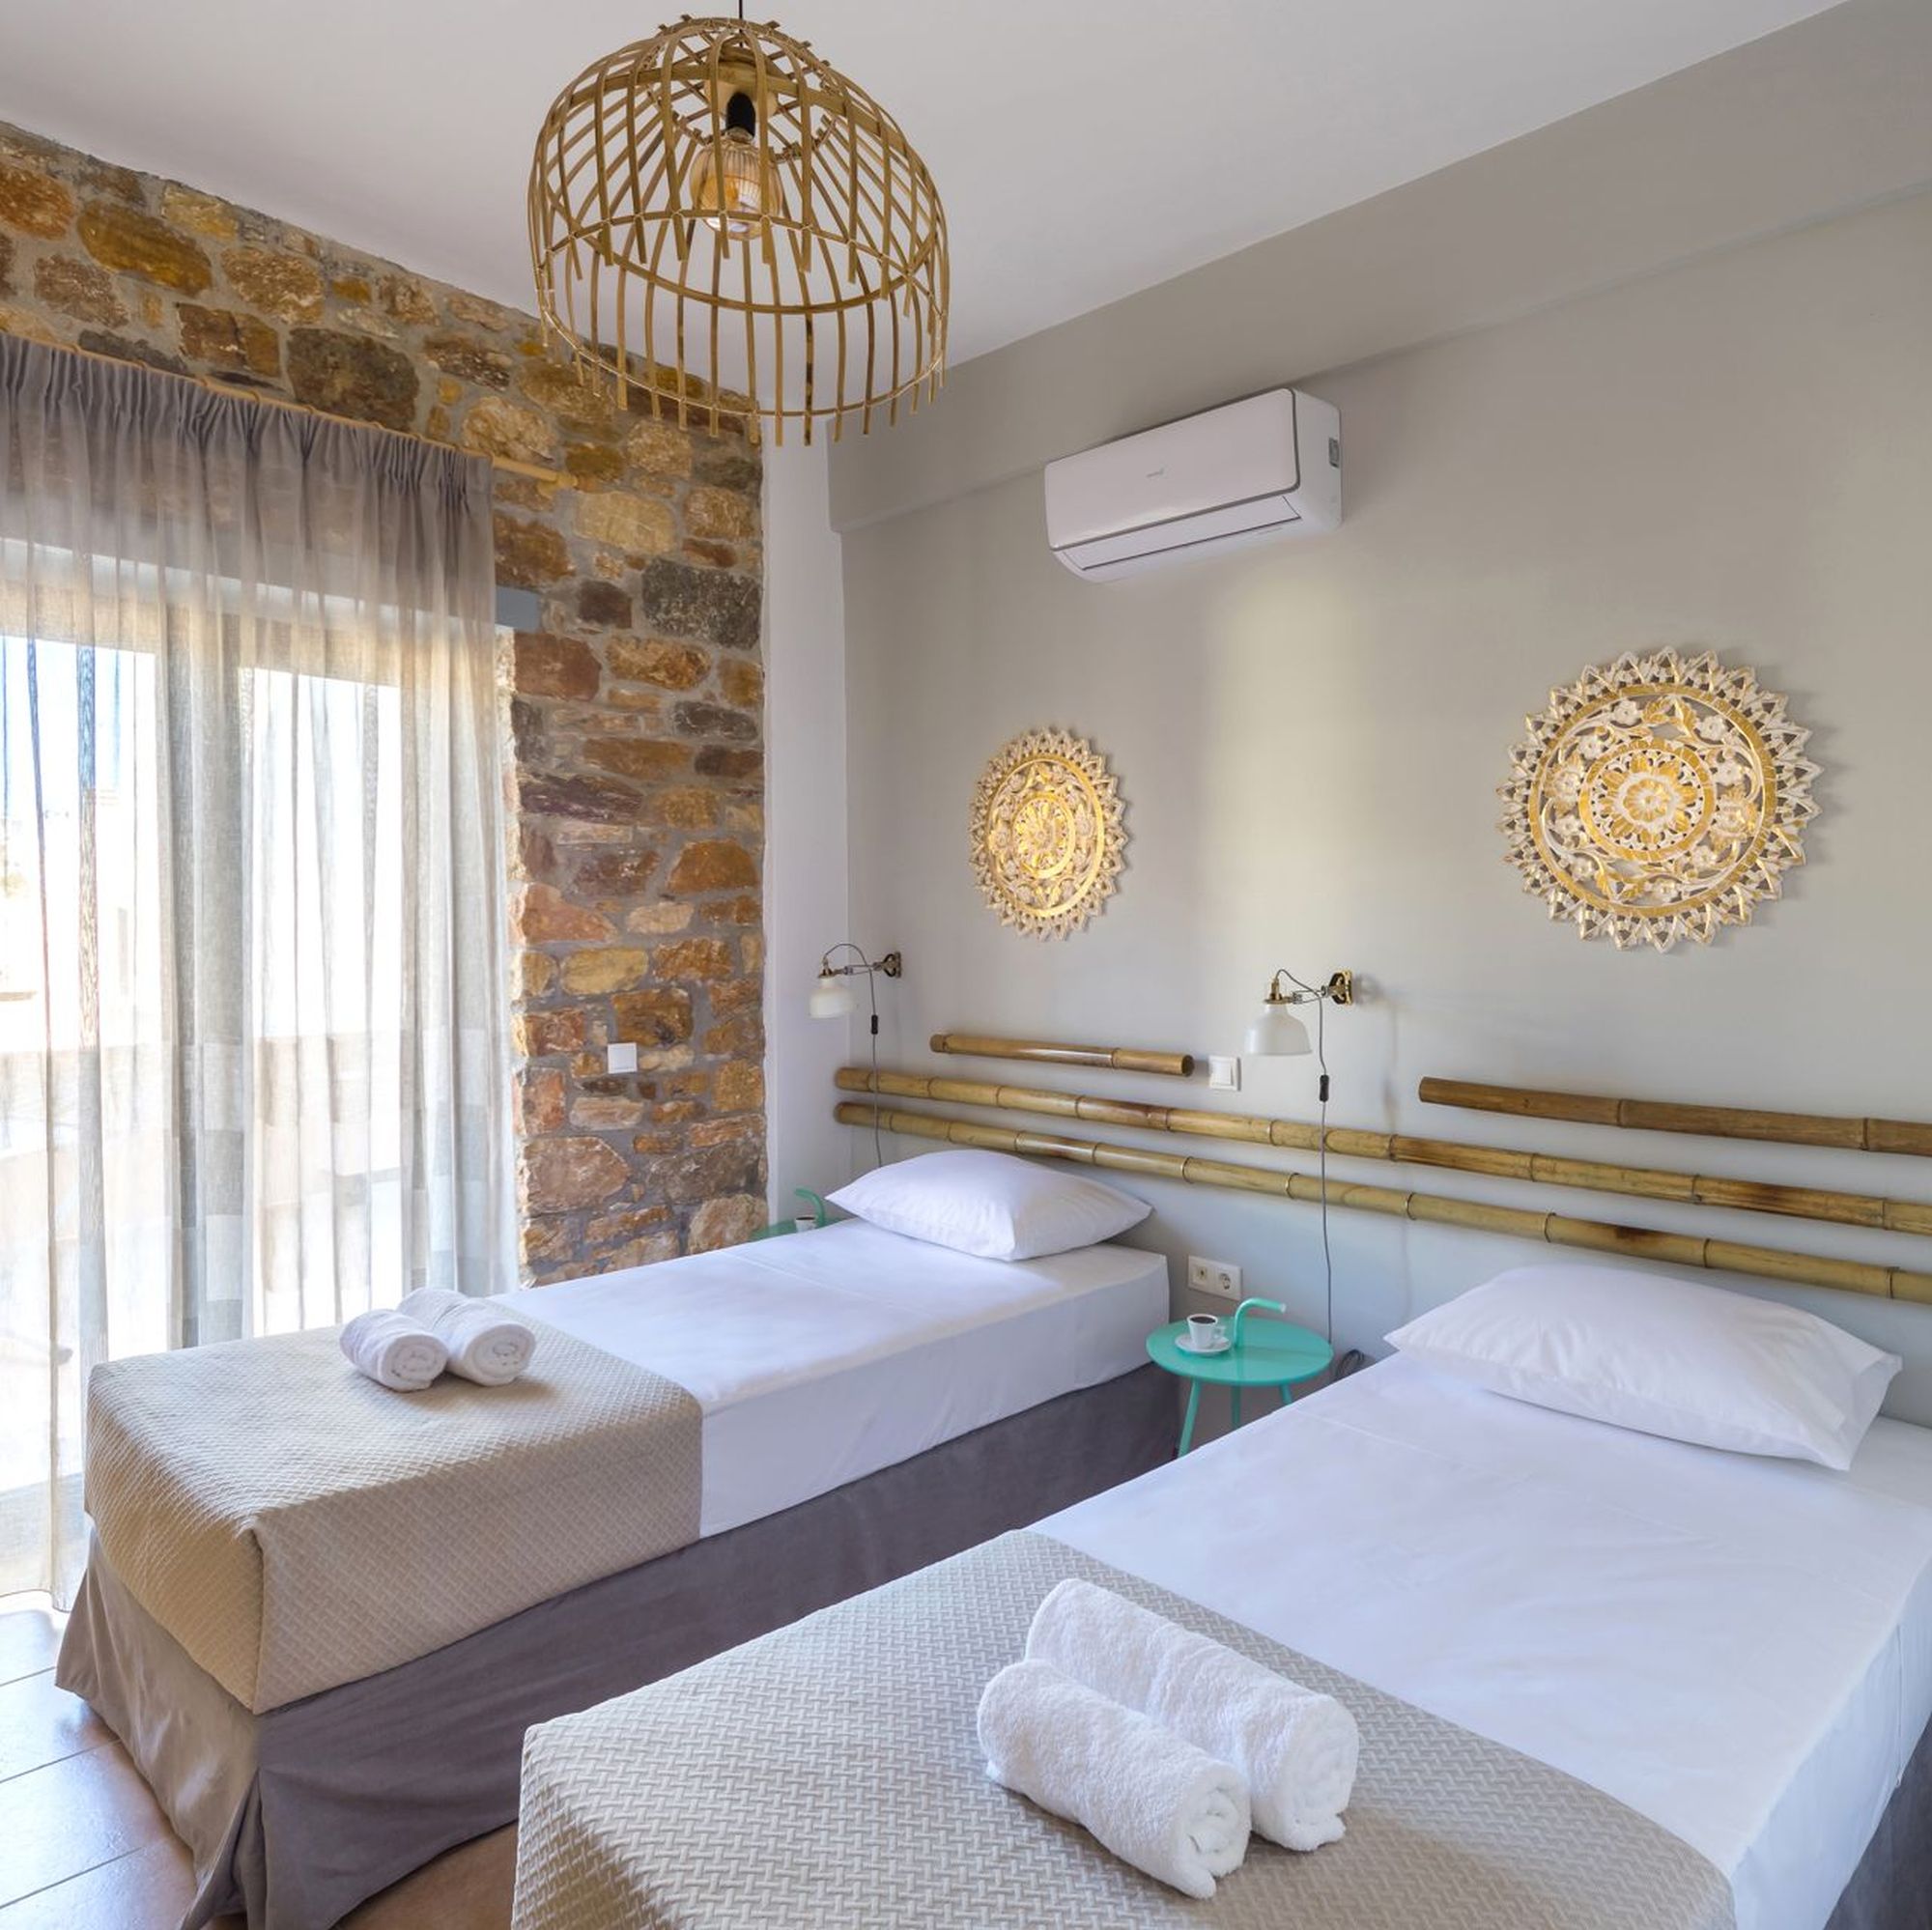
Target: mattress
point(1738, 1648)
point(825, 1356)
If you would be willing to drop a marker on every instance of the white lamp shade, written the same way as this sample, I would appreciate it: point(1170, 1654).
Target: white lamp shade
point(832, 998)
point(1275, 1032)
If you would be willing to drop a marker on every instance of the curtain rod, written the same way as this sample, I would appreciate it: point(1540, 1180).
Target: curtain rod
point(271, 400)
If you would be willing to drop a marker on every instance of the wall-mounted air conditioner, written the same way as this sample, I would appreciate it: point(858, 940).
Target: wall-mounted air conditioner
point(1268, 467)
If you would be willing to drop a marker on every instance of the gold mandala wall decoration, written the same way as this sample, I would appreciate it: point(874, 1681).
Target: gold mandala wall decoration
point(1659, 799)
point(1048, 832)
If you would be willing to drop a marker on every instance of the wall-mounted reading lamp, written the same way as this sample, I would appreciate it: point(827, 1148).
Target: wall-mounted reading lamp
point(832, 998)
point(1275, 1032)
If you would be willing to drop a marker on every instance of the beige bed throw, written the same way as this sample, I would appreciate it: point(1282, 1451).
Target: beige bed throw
point(294, 1526)
point(829, 1774)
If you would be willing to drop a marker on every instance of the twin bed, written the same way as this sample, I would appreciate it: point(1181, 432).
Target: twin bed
point(322, 1616)
point(1603, 1680)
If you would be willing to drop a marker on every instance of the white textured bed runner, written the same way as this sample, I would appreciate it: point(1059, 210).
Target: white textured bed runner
point(829, 1774)
point(295, 1526)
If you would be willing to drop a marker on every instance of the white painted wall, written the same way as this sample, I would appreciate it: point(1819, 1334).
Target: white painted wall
point(1734, 454)
point(1799, 126)
point(805, 869)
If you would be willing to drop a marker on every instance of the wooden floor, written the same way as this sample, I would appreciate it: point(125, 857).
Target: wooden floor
point(84, 1847)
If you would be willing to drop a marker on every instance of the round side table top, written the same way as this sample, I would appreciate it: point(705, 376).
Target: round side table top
point(1272, 1353)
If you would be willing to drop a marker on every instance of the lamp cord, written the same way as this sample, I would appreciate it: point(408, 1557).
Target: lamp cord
point(1321, 1149)
point(872, 992)
point(872, 996)
point(1322, 1168)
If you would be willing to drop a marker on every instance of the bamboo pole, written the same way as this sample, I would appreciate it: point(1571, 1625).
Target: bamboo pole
point(1113, 1058)
point(269, 399)
point(1847, 1276)
point(1806, 1203)
point(1861, 1135)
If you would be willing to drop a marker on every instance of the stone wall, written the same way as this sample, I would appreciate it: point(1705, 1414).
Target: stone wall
point(636, 704)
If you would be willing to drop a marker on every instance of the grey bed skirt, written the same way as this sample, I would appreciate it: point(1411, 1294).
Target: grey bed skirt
point(298, 1815)
point(1892, 1888)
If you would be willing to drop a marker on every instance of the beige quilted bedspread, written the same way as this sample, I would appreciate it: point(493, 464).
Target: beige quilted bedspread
point(827, 1775)
point(294, 1526)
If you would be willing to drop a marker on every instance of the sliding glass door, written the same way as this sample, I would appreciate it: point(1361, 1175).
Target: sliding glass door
point(254, 1011)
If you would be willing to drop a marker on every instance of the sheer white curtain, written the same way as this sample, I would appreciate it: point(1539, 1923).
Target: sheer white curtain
point(252, 1001)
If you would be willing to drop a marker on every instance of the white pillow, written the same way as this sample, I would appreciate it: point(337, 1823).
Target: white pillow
point(990, 1203)
point(1661, 1356)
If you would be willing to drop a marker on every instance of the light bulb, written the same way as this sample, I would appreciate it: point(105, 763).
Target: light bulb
point(727, 184)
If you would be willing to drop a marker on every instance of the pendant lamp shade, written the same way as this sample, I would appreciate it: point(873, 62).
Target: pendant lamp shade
point(723, 226)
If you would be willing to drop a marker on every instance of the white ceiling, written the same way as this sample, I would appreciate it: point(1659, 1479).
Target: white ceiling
point(1082, 151)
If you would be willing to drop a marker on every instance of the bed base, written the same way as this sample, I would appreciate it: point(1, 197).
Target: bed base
point(296, 1815)
point(1892, 1888)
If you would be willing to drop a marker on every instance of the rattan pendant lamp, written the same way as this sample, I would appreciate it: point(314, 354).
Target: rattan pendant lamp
point(725, 227)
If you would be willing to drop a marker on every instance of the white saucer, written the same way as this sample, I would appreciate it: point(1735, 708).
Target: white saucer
point(1186, 1346)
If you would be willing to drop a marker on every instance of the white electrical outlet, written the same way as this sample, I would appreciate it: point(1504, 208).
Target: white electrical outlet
point(1214, 1276)
point(1224, 1075)
point(621, 1057)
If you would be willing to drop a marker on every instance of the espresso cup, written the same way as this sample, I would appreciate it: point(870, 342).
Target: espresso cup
point(1203, 1331)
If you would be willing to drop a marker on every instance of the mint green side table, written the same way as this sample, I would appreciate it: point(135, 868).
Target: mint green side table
point(1270, 1353)
point(821, 1216)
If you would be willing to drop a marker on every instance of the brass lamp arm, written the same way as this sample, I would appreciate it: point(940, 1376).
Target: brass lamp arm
point(1340, 990)
point(891, 966)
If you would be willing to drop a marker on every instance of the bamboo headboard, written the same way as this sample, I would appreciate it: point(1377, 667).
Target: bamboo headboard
point(1870, 1212)
point(1107, 1058)
point(1855, 1135)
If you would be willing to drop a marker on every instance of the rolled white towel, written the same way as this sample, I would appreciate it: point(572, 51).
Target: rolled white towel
point(486, 1345)
point(1155, 1800)
point(394, 1351)
point(1296, 1748)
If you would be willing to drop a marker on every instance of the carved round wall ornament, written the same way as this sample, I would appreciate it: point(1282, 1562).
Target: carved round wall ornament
point(1048, 832)
point(1659, 799)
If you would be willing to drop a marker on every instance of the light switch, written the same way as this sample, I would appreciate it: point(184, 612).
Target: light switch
point(1224, 1076)
point(621, 1057)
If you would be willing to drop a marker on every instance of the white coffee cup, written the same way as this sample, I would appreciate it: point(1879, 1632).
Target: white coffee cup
point(1203, 1332)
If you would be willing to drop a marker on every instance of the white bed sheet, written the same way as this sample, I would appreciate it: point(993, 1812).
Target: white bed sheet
point(1740, 1649)
point(828, 1355)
